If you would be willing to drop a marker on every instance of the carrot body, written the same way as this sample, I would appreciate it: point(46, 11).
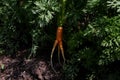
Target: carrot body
point(58, 42)
point(59, 34)
point(59, 39)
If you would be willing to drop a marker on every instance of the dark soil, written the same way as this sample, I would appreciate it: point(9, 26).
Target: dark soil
point(26, 69)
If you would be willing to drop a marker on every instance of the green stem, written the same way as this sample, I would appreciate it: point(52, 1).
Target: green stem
point(61, 17)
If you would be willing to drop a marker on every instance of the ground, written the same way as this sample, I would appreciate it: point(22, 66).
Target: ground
point(26, 69)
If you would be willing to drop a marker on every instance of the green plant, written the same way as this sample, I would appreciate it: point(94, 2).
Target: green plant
point(115, 4)
point(45, 10)
point(22, 22)
point(94, 47)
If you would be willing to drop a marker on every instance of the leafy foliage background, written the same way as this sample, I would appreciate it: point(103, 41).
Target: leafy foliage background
point(21, 25)
point(91, 34)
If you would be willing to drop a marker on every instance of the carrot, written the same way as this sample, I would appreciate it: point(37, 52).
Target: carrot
point(58, 42)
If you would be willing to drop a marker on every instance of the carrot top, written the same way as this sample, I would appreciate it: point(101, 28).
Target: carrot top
point(61, 17)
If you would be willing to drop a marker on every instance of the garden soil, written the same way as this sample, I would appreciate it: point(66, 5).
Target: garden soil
point(26, 69)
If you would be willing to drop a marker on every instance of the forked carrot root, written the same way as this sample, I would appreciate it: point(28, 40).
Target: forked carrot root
point(58, 42)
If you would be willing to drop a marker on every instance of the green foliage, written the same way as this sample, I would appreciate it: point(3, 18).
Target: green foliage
point(115, 4)
point(21, 24)
point(107, 31)
point(91, 4)
point(14, 24)
point(97, 45)
point(110, 43)
point(45, 10)
point(96, 7)
point(71, 69)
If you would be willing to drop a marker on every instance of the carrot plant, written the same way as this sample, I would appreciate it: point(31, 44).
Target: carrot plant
point(58, 41)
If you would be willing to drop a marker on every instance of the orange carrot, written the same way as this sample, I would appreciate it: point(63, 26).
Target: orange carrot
point(58, 42)
point(59, 34)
